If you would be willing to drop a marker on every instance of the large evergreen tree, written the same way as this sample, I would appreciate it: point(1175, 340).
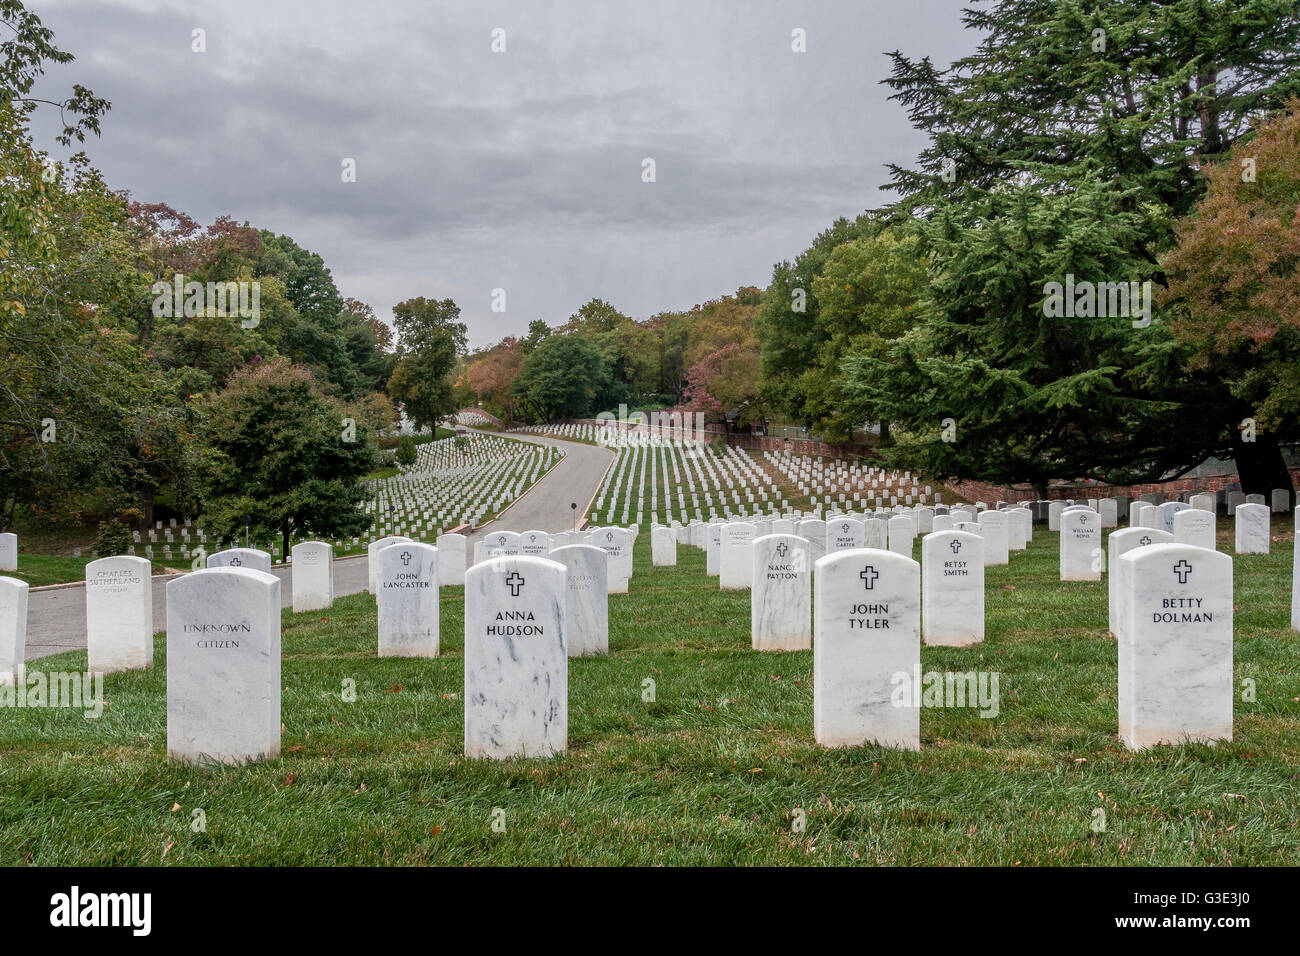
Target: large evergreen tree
point(1068, 144)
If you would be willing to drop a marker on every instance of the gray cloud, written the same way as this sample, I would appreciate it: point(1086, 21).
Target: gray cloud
point(519, 170)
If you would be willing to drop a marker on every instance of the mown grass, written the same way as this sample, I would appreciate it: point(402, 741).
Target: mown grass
point(712, 771)
point(39, 570)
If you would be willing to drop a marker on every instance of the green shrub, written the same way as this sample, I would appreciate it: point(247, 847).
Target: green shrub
point(112, 538)
point(406, 453)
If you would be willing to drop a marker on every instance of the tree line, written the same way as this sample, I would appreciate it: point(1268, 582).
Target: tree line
point(150, 361)
point(1139, 158)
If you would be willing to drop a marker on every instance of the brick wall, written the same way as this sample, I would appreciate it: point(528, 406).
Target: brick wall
point(990, 493)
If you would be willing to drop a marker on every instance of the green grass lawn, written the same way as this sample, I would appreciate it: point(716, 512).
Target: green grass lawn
point(39, 570)
point(712, 771)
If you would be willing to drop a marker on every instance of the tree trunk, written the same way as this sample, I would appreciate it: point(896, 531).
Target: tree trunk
point(146, 505)
point(1260, 464)
point(284, 543)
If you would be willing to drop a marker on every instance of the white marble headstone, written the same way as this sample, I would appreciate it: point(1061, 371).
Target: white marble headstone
point(1166, 512)
point(312, 571)
point(736, 567)
point(1194, 526)
point(867, 649)
point(8, 551)
point(952, 595)
point(13, 631)
point(781, 596)
point(1175, 653)
point(1118, 544)
point(901, 533)
point(663, 547)
point(1252, 528)
point(587, 603)
point(451, 559)
point(1081, 555)
point(534, 544)
point(844, 534)
point(617, 545)
point(1295, 575)
point(713, 550)
point(995, 530)
point(516, 659)
point(408, 600)
point(813, 530)
point(223, 666)
point(251, 558)
point(500, 544)
point(372, 563)
point(119, 614)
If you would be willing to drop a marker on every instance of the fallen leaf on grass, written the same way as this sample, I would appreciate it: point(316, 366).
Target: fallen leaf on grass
point(175, 807)
point(288, 781)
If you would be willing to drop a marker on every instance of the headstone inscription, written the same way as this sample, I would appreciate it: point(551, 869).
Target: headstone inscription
point(952, 597)
point(781, 594)
point(223, 666)
point(119, 614)
point(1175, 654)
point(866, 632)
point(312, 572)
point(587, 599)
point(516, 658)
point(407, 600)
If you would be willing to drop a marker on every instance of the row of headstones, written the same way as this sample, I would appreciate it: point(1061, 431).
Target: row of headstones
point(731, 471)
point(1171, 610)
point(457, 481)
point(524, 616)
point(1081, 554)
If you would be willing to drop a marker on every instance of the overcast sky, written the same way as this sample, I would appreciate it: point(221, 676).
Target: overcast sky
point(519, 170)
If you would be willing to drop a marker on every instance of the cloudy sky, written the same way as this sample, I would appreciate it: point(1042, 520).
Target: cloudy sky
point(519, 170)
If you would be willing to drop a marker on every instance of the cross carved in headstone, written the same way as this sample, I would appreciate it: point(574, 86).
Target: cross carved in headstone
point(956, 546)
point(781, 549)
point(869, 575)
point(1145, 539)
point(609, 536)
point(406, 558)
point(236, 563)
point(1182, 569)
point(514, 581)
point(1083, 519)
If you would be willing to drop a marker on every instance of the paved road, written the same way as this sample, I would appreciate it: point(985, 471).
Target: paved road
point(56, 618)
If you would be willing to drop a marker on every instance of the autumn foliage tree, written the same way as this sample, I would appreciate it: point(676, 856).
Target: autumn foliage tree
point(1234, 286)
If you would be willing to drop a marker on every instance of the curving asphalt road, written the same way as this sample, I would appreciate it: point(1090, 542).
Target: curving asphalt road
point(56, 616)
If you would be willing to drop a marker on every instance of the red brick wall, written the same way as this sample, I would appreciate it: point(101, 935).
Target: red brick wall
point(990, 493)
